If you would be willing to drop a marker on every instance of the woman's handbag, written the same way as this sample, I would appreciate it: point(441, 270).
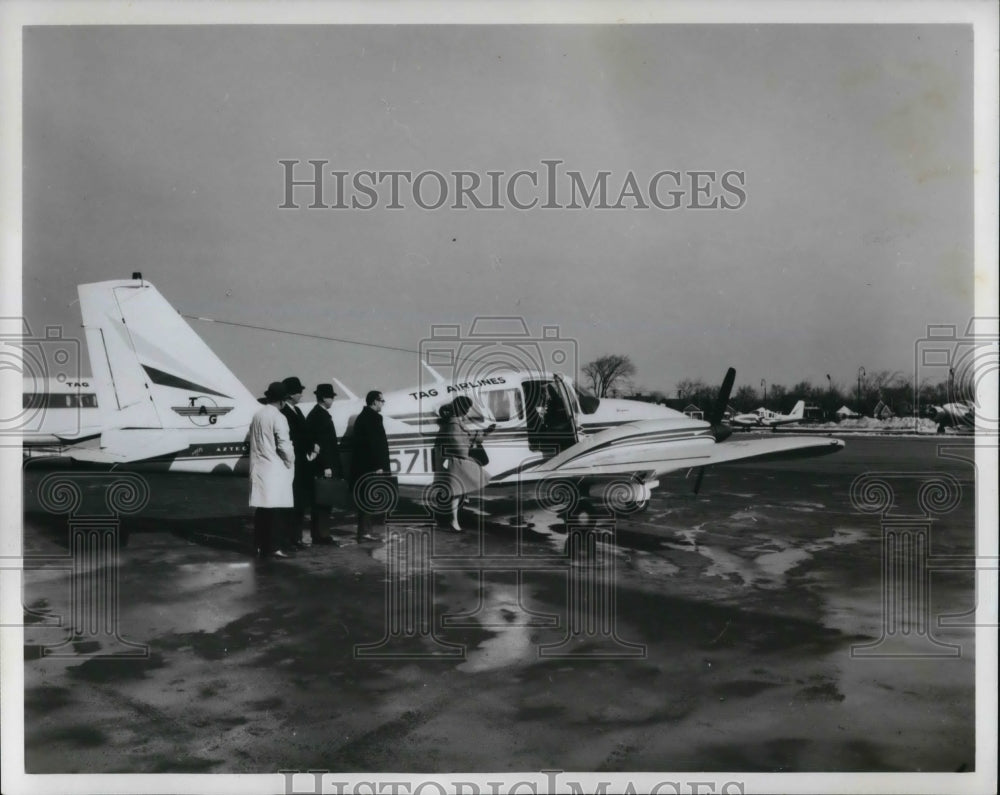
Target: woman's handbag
point(478, 454)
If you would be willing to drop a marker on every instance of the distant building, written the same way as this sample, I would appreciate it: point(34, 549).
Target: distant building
point(882, 411)
point(692, 411)
point(684, 407)
point(844, 413)
point(812, 413)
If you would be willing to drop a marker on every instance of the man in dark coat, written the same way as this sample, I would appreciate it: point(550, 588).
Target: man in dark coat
point(303, 487)
point(327, 463)
point(369, 455)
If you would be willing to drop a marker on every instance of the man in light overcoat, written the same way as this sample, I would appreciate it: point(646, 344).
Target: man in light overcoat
point(272, 469)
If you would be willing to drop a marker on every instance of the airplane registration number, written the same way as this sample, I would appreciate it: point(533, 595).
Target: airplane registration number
point(409, 460)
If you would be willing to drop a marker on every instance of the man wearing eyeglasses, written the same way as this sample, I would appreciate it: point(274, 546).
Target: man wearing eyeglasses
point(369, 462)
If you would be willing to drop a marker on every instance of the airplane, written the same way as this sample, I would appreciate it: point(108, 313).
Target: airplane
point(56, 414)
point(763, 418)
point(954, 415)
point(168, 403)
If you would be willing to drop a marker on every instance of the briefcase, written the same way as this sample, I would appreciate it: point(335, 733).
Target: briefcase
point(334, 492)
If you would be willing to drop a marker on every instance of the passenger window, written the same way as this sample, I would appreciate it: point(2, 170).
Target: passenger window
point(506, 405)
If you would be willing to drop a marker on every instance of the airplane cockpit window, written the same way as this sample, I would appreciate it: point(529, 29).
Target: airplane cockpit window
point(588, 402)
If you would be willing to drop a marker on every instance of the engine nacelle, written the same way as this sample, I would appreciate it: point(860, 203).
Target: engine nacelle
point(623, 496)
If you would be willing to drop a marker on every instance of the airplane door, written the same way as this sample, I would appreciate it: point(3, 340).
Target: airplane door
point(572, 428)
point(550, 415)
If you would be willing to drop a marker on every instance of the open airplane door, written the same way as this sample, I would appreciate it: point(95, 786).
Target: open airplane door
point(566, 396)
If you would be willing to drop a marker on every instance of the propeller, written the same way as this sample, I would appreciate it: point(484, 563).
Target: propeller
point(719, 431)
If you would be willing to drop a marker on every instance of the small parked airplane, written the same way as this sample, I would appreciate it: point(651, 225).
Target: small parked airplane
point(763, 418)
point(56, 414)
point(961, 416)
point(167, 402)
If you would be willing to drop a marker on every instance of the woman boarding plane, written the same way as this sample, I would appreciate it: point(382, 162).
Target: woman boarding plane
point(458, 471)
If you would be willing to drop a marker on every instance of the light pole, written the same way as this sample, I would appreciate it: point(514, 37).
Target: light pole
point(861, 374)
point(829, 396)
point(763, 385)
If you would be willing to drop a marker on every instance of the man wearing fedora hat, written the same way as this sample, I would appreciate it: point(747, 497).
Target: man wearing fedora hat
point(369, 462)
point(327, 463)
point(303, 487)
point(272, 462)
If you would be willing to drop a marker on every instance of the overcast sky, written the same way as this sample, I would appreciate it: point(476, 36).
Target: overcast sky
point(157, 149)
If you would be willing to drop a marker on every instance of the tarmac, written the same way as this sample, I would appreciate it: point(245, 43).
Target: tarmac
point(757, 626)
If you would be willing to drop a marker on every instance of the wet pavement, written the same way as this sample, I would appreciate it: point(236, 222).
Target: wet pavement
point(709, 632)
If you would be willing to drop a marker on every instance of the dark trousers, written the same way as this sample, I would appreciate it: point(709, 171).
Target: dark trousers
point(303, 494)
point(268, 527)
point(370, 523)
point(319, 520)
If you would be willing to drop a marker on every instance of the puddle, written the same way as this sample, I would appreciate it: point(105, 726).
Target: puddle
point(218, 594)
point(195, 576)
point(511, 645)
point(774, 560)
point(645, 563)
point(690, 536)
point(776, 564)
point(847, 535)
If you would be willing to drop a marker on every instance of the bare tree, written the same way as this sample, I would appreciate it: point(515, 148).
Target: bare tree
point(689, 389)
point(746, 398)
point(608, 372)
point(777, 397)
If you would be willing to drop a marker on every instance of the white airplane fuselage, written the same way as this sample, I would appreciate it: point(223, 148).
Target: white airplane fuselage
point(764, 418)
point(410, 418)
point(57, 413)
point(168, 403)
point(953, 415)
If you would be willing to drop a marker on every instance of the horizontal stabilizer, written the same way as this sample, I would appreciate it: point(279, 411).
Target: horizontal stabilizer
point(124, 446)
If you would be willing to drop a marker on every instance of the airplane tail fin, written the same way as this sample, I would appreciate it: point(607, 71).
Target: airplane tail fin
point(151, 370)
point(799, 410)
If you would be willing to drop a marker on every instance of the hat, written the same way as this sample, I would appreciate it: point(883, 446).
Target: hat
point(461, 405)
point(275, 391)
point(324, 391)
point(293, 385)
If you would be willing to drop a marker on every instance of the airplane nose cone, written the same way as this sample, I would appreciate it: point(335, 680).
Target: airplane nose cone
point(721, 432)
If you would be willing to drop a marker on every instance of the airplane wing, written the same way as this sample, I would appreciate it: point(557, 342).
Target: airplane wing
point(657, 447)
point(769, 449)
